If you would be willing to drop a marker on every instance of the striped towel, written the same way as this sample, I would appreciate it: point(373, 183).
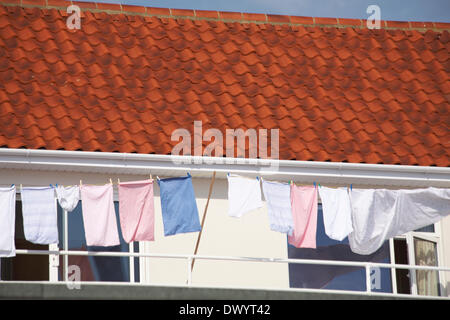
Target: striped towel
point(278, 198)
point(39, 215)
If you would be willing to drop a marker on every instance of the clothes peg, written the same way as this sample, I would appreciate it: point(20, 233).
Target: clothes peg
point(351, 187)
point(151, 177)
point(110, 180)
point(314, 184)
point(118, 181)
point(81, 183)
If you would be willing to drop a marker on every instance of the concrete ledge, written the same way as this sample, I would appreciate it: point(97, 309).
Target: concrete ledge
point(114, 291)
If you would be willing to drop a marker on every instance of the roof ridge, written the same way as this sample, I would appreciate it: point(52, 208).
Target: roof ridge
point(227, 16)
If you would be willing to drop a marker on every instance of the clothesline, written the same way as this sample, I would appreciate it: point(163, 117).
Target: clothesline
point(292, 209)
point(151, 180)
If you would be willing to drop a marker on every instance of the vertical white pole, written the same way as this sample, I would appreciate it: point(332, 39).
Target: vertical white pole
point(368, 280)
point(393, 271)
point(142, 263)
point(53, 260)
point(411, 261)
point(131, 246)
point(189, 270)
point(66, 245)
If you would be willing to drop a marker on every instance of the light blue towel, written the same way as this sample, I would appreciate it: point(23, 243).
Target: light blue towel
point(179, 209)
point(40, 220)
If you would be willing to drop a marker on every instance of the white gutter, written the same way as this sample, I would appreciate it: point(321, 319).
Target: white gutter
point(306, 171)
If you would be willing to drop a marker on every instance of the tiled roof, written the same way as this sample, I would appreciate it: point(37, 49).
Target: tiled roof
point(131, 75)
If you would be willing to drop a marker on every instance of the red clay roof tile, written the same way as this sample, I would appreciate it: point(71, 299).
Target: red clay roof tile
point(123, 83)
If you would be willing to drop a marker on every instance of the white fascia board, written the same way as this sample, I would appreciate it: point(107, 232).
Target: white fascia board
point(307, 171)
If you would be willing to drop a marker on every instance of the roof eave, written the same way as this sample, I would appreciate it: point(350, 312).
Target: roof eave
point(335, 173)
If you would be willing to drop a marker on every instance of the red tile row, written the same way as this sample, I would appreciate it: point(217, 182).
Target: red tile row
point(125, 84)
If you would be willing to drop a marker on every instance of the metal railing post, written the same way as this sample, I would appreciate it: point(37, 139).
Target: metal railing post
point(189, 270)
point(368, 280)
point(66, 245)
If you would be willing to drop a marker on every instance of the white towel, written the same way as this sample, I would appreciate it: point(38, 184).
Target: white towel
point(7, 221)
point(278, 198)
point(39, 212)
point(381, 214)
point(244, 195)
point(68, 197)
point(337, 214)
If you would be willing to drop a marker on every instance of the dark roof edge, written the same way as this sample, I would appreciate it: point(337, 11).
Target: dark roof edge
point(224, 16)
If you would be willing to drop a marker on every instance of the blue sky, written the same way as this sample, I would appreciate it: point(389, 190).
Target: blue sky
point(403, 10)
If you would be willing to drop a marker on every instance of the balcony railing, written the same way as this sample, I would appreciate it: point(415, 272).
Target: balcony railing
point(189, 258)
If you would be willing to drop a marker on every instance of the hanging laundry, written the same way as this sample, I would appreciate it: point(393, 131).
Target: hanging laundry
point(337, 215)
point(99, 215)
point(68, 197)
point(304, 213)
point(278, 198)
point(380, 214)
point(7, 221)
point(178, 205)
point(244, 195)
point(136, 210)
point(40, 220)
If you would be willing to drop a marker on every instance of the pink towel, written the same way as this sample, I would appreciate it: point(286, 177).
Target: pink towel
point(304, 213)
point(136, 210)
point(99, 216)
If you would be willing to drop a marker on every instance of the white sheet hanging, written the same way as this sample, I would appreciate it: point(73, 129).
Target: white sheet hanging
point(337, 215)
point(7, 221)
point(380, 214)
point(244, 195)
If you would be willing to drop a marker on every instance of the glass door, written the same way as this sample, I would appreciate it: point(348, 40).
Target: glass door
point(426, 254)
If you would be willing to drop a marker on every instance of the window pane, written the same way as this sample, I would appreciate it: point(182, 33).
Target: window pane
point(426, 255)
point(337, 277)
point(25, 267)
point(429, 228)
point(402, 275)
point(97, 268)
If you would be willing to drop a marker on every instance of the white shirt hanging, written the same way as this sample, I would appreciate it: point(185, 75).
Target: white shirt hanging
point(244, 195)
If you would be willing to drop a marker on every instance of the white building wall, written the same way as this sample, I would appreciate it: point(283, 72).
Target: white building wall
point(222, 235)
